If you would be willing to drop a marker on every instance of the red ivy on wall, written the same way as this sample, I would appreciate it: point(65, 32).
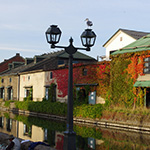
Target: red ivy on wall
point(103, 79)
point(136, 66)
point(96, 73)
point(60, 77)
point(79, 78)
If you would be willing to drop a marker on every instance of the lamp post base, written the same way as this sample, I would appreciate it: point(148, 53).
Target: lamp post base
point(69, 140)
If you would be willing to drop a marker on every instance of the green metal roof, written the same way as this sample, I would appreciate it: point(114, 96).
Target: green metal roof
point(142, 84)
point(143, 44)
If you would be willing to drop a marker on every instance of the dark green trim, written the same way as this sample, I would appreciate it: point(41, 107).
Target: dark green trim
point(142, 84)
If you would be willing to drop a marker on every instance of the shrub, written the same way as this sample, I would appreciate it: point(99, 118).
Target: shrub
point(55, 108)
point(7, 103)
point(88, 111)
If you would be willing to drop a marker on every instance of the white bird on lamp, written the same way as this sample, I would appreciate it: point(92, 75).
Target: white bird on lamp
point(88, 22)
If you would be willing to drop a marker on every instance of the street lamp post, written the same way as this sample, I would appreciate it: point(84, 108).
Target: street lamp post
point(88, 38)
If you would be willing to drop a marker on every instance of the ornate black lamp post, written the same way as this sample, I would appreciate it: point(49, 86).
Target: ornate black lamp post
point(88, 38)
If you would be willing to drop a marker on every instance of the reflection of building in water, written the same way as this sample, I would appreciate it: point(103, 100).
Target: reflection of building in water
point(8, 126)
point(50, 137)
point(1, 122)
point(32, 133)
point(27, 130)
point(100, 138)
point(45, 134)
point(59, 140)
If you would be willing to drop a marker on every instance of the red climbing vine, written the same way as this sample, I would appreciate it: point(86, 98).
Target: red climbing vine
point(95, 73)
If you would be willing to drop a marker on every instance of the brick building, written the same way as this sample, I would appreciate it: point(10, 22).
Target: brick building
point(4, 65)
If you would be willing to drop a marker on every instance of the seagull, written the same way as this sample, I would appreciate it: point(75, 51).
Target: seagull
point(88, 22)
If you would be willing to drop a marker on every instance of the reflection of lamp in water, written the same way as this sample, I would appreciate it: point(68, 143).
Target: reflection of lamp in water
point(88, 38)
point(91, 142)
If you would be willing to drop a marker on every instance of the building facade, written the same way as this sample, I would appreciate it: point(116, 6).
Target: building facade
point(120, 39)
point(133, 74)
point(5, 64)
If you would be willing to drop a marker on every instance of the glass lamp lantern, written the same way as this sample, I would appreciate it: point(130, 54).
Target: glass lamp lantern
point(53, 34)
point(88, 38)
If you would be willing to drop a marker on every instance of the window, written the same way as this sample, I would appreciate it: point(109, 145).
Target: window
point(50, 92)
point(28, 95)
point(27, 92)
point(147, 59)
point(9, 79)
point(9, 93)
point(28, 78)
point(84, 71)
point(2, 92)
point(27, 130)
point(51, 75)
point(121, 39)
point(60, 62)
point(2, 80)
point(9, 124)
point(147, 64)
point(146, 69)
point(75, 62)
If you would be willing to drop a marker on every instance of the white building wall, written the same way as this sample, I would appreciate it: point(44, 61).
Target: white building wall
point(120, 40)
point(37, 81)
point(145, 77)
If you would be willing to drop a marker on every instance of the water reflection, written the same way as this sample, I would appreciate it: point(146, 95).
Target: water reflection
point(88, 138)
point(1, 122)
point(8, 125)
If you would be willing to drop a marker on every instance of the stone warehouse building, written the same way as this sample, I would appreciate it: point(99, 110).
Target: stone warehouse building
point(34, 78)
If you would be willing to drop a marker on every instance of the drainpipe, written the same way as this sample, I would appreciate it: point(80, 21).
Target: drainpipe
point(18, 87)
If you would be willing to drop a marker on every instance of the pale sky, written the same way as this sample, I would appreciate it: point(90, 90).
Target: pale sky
point(23, 23)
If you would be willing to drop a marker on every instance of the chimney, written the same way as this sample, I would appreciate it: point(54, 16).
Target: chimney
point(17, 54)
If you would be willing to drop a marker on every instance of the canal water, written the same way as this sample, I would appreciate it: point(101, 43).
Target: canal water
point(87, 137)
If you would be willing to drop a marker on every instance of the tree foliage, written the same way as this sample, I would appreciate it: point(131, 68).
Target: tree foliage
point(125, 69)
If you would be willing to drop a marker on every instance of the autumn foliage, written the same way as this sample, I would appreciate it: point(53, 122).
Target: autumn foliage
point(95, 73)
point(125, 69)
